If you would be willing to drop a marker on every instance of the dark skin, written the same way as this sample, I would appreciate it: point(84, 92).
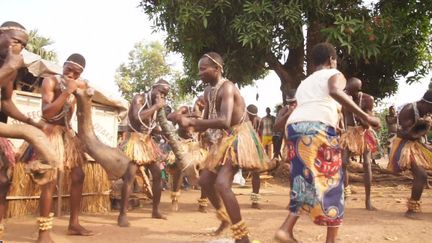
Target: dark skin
point(256, 181)
point(158, 98)
point(12, 42)
point(268, 147)
point(283, 116)
point(230, 108)
point(406, 131)
point(336, 83)
point(53, 100)
point(353, 89)
point(187, 133)
point(391, 120)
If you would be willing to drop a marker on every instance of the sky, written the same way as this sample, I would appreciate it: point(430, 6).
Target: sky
point(104, 31)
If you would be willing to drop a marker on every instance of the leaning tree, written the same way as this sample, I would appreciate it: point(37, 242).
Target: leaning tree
point(378, 43)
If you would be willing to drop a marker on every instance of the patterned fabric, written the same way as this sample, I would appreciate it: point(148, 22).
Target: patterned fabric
point(141, 149)
point(241, 145)
point(405, 152)
point(267, 125)
point(316, 175)
point(357, 139)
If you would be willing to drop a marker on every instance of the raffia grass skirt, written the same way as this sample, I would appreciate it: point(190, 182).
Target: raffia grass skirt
point(141, 149)
point(64, 143)
point(196, 153)
point(357, 139)
point(405, 152)
point(242, 146)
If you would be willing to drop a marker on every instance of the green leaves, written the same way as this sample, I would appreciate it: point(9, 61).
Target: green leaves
point(377, 43)
point(38, 44)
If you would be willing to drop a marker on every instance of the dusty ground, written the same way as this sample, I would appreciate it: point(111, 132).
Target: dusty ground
point(188, 225)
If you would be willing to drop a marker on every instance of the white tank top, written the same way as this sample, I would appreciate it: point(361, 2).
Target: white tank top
point(314, 102)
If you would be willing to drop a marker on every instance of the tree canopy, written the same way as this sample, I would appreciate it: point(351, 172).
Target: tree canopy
point(39, 45)
point(378, 43)
point(146, 64)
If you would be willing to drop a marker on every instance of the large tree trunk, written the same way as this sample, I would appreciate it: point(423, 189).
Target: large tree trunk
point(313, 37)
point(41, 144)
point(113, 160)
point(184, 162)
point(291, 73)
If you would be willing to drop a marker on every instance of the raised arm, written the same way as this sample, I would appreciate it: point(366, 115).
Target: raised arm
point(52, 106)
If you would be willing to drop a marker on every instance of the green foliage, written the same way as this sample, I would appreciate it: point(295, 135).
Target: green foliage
point(377, 44)
point(384, 44)
point(38, 44)
point(146, 64)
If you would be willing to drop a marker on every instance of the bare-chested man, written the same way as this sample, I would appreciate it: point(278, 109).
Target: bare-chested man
point(140, 146)
point(391, 121)
point(13, 39)
point(58, 105)
point(255, 197)
point(359, 138)
point(226, 123)
point(410, 152)
point(192, 145)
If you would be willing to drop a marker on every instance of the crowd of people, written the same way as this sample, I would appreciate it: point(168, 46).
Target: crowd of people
point(319, 126)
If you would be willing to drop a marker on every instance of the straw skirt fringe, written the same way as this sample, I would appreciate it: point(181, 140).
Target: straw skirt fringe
point(242, 146)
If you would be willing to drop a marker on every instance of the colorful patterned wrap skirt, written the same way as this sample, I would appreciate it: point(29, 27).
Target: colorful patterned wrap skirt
point(316, 174)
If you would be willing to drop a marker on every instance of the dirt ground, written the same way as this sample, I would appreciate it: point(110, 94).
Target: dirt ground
point(188, 225)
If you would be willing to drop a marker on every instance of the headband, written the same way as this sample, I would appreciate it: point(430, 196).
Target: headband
point(251, 113)
point(161, 84)
point(72, 62)
point(291, 99)
point(13, 28)
point(427, 101)
point(216, 62)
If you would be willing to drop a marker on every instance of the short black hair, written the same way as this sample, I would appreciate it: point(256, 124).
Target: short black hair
point(12, 24)
point(322, 52)
point(78, 58)
point(428, 96)
point(218, 58)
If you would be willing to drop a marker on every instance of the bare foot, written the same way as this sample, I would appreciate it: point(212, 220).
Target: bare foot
point(202, 209)
point(222, 227)
point(283, 237)
point(123, 221)
point(256, 206)
point(78, 230)
point(370, 207)
point(412, 215)
point(158, 215)
point(44, 237)
point(174, 206)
